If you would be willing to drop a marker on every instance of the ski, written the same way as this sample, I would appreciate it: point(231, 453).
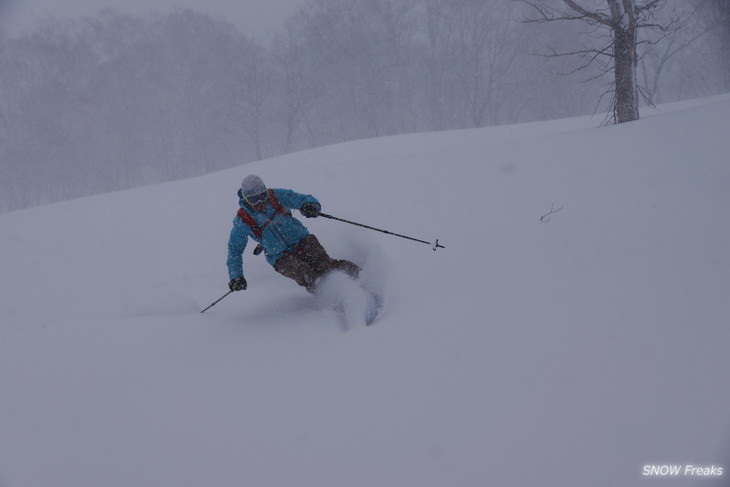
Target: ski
point(375, 306)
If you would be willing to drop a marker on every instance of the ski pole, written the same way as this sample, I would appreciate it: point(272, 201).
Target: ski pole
point(217, 301)
point(434, 245)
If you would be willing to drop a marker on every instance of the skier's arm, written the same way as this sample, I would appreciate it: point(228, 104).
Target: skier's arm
point(293, 200)
point(236, 245)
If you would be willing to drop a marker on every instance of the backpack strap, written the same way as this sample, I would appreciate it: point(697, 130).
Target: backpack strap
point(248, 219)
point(275, 204)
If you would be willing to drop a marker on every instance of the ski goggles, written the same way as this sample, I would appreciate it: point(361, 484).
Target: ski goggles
point(255, 199)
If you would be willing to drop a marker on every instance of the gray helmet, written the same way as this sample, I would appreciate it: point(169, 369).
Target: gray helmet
point(252, 184)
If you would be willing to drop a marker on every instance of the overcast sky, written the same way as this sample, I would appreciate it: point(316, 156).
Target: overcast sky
point(253, 17)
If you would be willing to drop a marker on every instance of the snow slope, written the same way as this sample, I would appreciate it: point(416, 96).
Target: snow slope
point(570, 351)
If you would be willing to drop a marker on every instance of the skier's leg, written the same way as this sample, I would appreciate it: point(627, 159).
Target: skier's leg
point(295, 268)
point(349, 267)
point(309, 262)
point(313, 252)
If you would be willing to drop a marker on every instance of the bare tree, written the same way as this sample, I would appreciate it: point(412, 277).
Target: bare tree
point(361, 59)
point(252, 89)
point(719, 11)
point(664, 45)
point(623, 19)
point(290, 61)
point(472, 48)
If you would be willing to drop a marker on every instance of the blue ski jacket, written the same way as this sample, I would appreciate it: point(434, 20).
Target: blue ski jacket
point(281, 232)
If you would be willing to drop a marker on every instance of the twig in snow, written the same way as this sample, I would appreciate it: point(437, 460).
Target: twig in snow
point(546, 217)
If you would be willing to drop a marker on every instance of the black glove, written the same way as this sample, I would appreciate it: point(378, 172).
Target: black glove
point(310, 210)
point(237, 284)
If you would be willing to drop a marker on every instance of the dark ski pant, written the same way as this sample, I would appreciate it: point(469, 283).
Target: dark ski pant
point(309, 261)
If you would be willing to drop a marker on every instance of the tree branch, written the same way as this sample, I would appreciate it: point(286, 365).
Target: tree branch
point(647, 6)
point(596, 16)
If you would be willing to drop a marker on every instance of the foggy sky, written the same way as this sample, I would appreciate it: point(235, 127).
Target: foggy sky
point(253, 17)
point(116, 101)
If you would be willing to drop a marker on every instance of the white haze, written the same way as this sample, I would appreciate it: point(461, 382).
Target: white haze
point(117, 99)
point(253, 17)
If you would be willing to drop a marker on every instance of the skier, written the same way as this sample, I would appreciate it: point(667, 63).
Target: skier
point(265, 216)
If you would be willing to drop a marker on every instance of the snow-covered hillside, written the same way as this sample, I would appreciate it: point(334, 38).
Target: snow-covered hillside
point(570, 351)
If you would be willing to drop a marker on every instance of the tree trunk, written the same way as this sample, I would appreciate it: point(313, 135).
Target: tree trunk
point(627, 94)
